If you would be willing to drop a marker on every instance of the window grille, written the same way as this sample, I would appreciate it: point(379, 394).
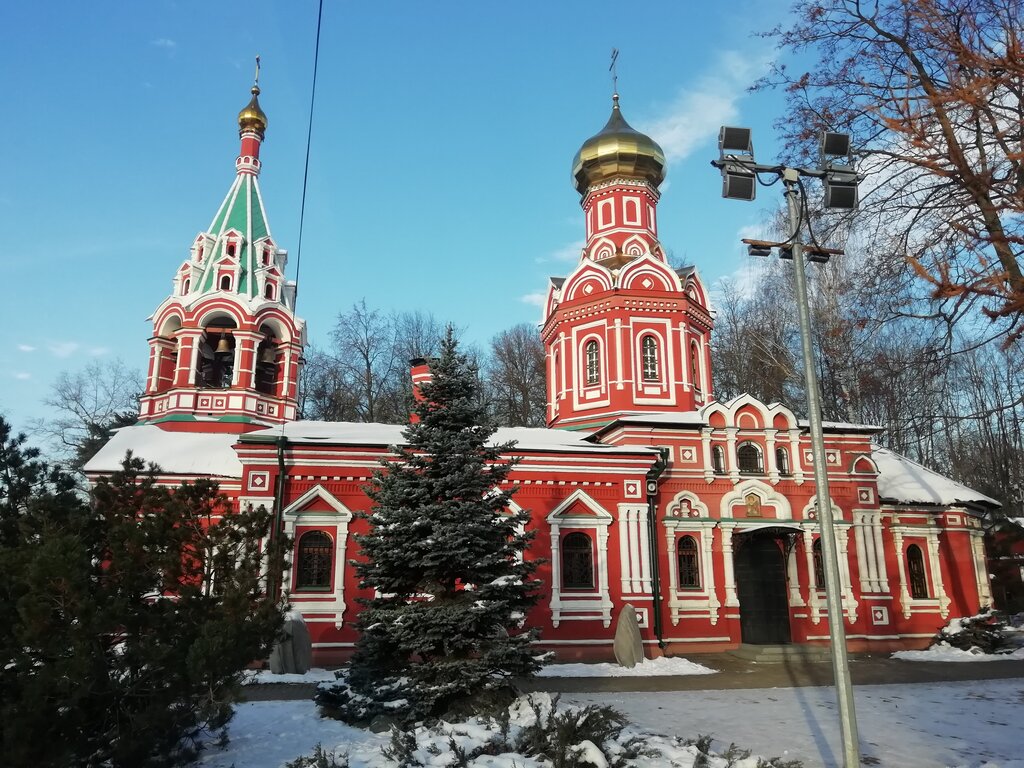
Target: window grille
point(577, 562)
point(649, 351)
point(782, 461)
point(748, 458)
point(819, 565)
point(316, 551)
point(689, 565)
point(718, 460)
point(918, 580)
point(593, 363)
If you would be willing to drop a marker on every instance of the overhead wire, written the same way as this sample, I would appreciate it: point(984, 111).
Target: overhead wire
point(309, 138)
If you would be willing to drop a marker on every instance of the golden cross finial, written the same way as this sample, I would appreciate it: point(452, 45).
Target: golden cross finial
point(615, 73)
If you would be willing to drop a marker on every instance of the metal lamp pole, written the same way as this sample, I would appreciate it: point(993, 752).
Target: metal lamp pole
point(833, 593)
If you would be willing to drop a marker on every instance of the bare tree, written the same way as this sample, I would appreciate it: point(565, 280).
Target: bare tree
point(515, 377)
point(931, 92)
point(86, 406)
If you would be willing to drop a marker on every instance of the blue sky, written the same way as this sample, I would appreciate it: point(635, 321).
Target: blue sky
point(440, 169)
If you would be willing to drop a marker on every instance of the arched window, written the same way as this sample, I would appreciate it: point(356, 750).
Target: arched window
point(695, 365)
point(649, 353)
point(577, 562)
point(266, 256)
point(184, 287)
point(819, 565)
point(225, 282)
point(718, 460)
point(593, 363)
point(199, 253)
point(782, 461)
point(316, 551)
point(230, 248)
point(748, 459)
point(915, 566)
point(268, 292)
point(689, 564)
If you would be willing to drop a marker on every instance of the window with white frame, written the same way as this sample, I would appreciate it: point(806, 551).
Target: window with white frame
point(916, 572)
point(649, 355)
point(313, 561)
point(577, 561)
point(782, 461)
point(688, 560)
point(593, 358)
point(718, 459)
point(749, 459)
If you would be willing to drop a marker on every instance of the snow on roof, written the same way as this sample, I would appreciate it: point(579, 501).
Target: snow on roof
point(358, 433)
point(843, 426)
point(907, 482)
point(176, 453)
point(681, 418)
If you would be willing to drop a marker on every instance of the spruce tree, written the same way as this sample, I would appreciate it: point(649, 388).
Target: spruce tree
point(444, 556)
point(127, 618)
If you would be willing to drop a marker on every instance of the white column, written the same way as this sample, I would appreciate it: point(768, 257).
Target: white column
point(794, 578)
point(708, 567)
point(645, 550)
point(981, 568)
point(865, 570)
point(618, 354)
point(556, 578)
point(812, 587)
point(340, 548)
point(625, 572)
point(901, 562)
point(882, 573)
point(730, 574)
point(602, 564)
point(732, 465)
point(940, 589)
point(849, 601)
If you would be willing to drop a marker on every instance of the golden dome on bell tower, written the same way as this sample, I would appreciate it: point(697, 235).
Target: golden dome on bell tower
point(618, 150)
point(252, 117)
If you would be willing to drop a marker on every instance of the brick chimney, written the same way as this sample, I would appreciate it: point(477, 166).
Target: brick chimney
point(419, 369)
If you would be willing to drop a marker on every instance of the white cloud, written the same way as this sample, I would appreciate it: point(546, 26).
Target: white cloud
point(22, 376)
point(165, 43)
point(569, 253)
point(26, 348)
point(699, 110)
point(98, 351)
point(63, 348)
point(537, 298)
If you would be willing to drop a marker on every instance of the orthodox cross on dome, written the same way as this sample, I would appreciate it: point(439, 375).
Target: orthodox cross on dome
point(615, 75)
point(256, 79)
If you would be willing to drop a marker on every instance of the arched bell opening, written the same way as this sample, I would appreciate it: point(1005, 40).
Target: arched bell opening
point(167, 354)
point(215, 366)
point(268, 368)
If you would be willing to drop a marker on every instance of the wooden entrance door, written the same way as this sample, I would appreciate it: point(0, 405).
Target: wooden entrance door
point(760, 569)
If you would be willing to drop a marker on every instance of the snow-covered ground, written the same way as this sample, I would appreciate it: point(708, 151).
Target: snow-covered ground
point(660, 667)
point(315, 675)
point(946, 652)
point(964, 724)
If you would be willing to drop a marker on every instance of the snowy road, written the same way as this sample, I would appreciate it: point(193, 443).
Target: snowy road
point(903, 726)
point(930, 725)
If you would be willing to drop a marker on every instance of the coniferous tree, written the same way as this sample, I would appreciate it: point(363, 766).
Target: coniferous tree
point(444, 554)
point(127, 620)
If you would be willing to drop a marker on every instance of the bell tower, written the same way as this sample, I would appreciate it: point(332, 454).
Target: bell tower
point(624, 333)
point(226, 345)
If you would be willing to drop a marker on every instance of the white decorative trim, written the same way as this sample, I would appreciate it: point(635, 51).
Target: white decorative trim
point(598, 604)
point(766, 493)
point(293, 517)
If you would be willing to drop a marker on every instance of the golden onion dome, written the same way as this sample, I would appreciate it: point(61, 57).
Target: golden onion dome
point(618, 150)
point(252, 117)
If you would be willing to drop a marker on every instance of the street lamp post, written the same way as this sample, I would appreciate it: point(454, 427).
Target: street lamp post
point(739, 175)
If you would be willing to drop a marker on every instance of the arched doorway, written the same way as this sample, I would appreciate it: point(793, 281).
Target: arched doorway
point(760, 568)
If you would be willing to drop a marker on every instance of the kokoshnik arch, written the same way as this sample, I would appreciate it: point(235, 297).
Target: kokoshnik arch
point(643, 489)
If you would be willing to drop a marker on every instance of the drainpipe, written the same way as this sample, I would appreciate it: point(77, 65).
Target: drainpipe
point(275, 529)
point(653, 475)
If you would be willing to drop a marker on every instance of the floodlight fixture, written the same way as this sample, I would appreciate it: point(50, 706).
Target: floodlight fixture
point(835, 144)
point(840, 187)
point(735, 141)
point(759, 250)
point(737, 163)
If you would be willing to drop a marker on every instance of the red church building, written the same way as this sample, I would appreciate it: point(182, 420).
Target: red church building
point(643, 489)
